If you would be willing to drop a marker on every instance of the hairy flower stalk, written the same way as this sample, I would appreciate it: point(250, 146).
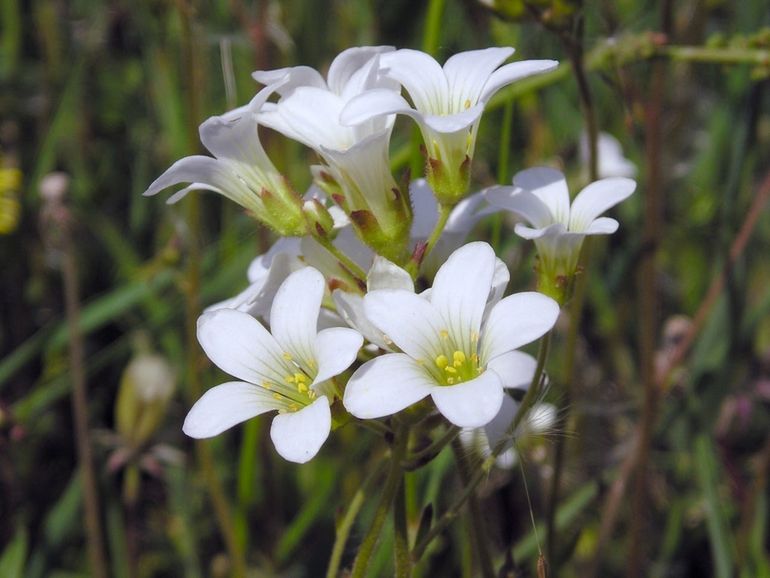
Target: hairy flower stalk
point(240, 171)
point(447, 104)
point(356, 169)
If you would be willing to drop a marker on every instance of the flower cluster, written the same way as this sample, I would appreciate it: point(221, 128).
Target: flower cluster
point(332, 323)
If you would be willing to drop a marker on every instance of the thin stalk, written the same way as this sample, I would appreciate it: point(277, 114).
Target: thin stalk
point(192, 284)
point(392, 482)
point(343, 530)
point(425, 455)
point(344, 260)
point(403, 562)
point(481, 472)
point(432, 31)
point(93, 525)
point(444, 211)
point(477, 523)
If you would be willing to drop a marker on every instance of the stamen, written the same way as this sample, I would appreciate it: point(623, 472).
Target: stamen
point(459, 358)
point(444, 334)
point(442, 361)
point(450, 369)
point(287, 356)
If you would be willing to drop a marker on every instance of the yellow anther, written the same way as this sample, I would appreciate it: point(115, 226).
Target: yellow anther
point(450, 380)
point(444, 334)
point(450, 369)
point(458, 358)
point(302, 387)
point(475, 358)
point(294, 407)
point(290, 379)
point(267, 385)
point(467, 103)
point(287, 356)
point(300, 377)
point(474, 336)
point(277, 396)
point(312, 394)
point(442, 361)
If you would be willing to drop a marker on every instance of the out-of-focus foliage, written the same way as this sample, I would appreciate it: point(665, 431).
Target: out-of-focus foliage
point(111, 92)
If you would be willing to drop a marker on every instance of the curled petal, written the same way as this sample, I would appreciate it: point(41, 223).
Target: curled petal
point(297, 436)
point(470, 404)
point(386, 275)
point(226, 405)
point(386, 385)
point(597, 198)
point(515, 368)
point(374, 103)
point(421, 76)
point(512, 72)
point(550, 186)
point(468, 72)
point(523, 203)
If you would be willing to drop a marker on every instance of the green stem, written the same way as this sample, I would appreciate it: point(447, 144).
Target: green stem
point(425, 455)
point(344, 260)
point(444, 211)
point(403, 562)
point(477, 523)
point(481, 472)
point(343, 530)
point(392, 482)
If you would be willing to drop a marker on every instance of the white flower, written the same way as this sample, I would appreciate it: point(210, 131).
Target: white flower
point(540, 196)
point(241, 171)
point(288, 370)
point(611, 161)
point(453, 349)
point(447, 104)
point(357, 158)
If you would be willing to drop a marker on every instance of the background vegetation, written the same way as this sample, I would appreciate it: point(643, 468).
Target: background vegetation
point(664, 386)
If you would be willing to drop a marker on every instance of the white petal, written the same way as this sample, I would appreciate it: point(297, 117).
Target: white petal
point(499, 283)
point(386, 275)
point(195, 169)
point(285, 80)
point(467, 73)
point(373, 103)
point(550, 187)
point(421, 76)
point(515, 368)
point(234, 136)
point(453, 123)
point(523, 203)
point(386, 385)
point(461, 289)
point(529, 233)
point(335, 349)
point(297, 436)
point(515, 321)
point(424, 209)
point(224, 406)
point(497, 429)
point(409, 320)
point(294, 315)
point(351, 307)
point(348, 64)
point(470, 404)
point(512, 72)
point(310, 115)
point(239, 345)
point(597, 198)
point(467, 212)
point(602, 226)
point(260, 266)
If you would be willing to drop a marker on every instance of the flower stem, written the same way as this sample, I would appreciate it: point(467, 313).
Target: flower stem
point(413, 267)
point(481, 472)
point(343, 530)
point(477, 523)
point(403, 562)
point(425, 455)
point(344, 260)
point(392, 482)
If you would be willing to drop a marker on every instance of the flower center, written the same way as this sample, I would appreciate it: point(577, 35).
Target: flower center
point(295, 391)
point(456, 367)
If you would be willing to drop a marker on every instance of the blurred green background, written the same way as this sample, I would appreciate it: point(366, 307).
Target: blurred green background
point(111, 92)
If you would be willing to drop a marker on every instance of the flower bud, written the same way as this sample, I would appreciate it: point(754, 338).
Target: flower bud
point(146, 387)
